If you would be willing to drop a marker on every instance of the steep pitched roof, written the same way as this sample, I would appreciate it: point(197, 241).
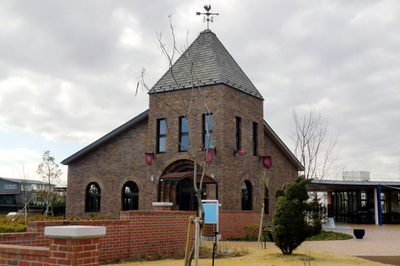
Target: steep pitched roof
point(206, 62)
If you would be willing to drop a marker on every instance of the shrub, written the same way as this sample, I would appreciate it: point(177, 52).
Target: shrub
point(289, 225)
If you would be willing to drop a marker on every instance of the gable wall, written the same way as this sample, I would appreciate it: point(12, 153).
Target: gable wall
point(280, 174)
point(111, 165)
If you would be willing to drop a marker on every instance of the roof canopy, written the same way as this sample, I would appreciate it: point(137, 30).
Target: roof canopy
point(179, 176)
point(340, 185)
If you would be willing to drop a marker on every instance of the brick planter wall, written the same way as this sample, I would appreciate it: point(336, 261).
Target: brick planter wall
point(137, 233)
point(23, 255)
point(232, 223)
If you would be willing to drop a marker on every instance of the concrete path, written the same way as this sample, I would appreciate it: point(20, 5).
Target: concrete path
point(380, 243)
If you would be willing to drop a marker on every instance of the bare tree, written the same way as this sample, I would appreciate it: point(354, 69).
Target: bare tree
point(26, 191)
point(185, 109)
point(50, 173)
point(314, 145)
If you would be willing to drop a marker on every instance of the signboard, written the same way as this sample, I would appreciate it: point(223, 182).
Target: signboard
point(211, 210)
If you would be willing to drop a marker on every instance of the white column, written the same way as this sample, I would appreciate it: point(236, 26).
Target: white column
point(376, 206)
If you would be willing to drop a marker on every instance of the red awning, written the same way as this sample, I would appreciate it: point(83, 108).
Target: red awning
point(183, 175)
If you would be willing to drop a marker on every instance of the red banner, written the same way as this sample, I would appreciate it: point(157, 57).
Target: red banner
point(210, 154)
point(242, 152)
point(149, 158)
point(267, 162)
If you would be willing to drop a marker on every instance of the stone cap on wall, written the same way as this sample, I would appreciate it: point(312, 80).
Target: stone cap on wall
point(162, 204)
point(74, 231)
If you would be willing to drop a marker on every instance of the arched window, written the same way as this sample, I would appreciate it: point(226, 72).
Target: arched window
point(130, 196)
point(93, 197)
point(247, 196)
point(266, 200)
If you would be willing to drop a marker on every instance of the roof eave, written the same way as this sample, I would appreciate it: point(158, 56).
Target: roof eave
point(283, 146)
point(106, 137)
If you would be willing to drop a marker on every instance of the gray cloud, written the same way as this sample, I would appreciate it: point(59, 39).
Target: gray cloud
point(69, 69)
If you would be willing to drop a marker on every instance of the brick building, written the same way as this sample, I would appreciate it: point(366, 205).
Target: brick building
point(112, 173)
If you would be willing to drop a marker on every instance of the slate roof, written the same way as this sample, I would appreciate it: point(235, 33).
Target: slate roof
point(206, 62)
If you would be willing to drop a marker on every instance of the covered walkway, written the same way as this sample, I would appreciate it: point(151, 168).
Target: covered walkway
point(364, 202)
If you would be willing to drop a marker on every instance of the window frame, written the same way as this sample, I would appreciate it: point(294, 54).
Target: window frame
point(161, 136)
point(210, 131)
point(92, 200)
point(183, 134)
point(255, 139)
point(247, 196)
point(238, 136)
point(132, 195)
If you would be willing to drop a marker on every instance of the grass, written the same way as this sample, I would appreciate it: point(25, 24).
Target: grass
point(329, 235)
point(271, 256)
point(323, 236)
point(222, 252)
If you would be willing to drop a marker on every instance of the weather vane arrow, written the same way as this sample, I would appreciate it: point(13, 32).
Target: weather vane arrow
point(208, 14)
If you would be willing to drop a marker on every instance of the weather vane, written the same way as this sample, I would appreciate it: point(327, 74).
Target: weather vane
point(208, 14)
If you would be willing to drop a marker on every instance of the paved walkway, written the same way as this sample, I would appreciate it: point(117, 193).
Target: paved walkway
point(380, 243)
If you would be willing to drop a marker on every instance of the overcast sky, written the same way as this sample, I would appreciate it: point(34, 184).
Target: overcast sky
point(69, 69)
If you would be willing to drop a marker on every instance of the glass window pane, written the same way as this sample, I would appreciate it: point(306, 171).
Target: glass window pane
point(162, 144)
point(184, 142)
point(210, 122)
point(206, 140)
point(184, 125)
point(163, 127)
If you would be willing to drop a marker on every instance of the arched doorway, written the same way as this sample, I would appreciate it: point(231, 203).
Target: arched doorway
point(130, 196)
point(176, 185)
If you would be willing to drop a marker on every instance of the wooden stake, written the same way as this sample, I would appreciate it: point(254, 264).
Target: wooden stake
point(260, 230)
point(196, 242)
point(188, 240)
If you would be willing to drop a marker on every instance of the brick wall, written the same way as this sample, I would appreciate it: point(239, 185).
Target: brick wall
point(23, 255)
point(232, 223)
point(111, 165)
point(137, 233)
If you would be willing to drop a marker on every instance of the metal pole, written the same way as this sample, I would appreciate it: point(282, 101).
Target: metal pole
point(379, 204)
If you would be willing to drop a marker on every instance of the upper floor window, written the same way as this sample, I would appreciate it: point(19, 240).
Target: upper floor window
point(93, 197)
point(161, 135)
point(10, 186)
point(183, 134)
point(255, 139)
point(238, 144)
point(208, 127)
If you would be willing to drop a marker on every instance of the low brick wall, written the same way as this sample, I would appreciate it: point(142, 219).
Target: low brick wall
point(24, 255)
point(137, 233)
point(232, 223)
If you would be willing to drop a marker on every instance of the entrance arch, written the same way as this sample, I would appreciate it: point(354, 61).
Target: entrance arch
point(176, 185)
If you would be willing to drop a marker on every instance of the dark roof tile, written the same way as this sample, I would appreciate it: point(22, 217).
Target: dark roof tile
point(206, 62)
